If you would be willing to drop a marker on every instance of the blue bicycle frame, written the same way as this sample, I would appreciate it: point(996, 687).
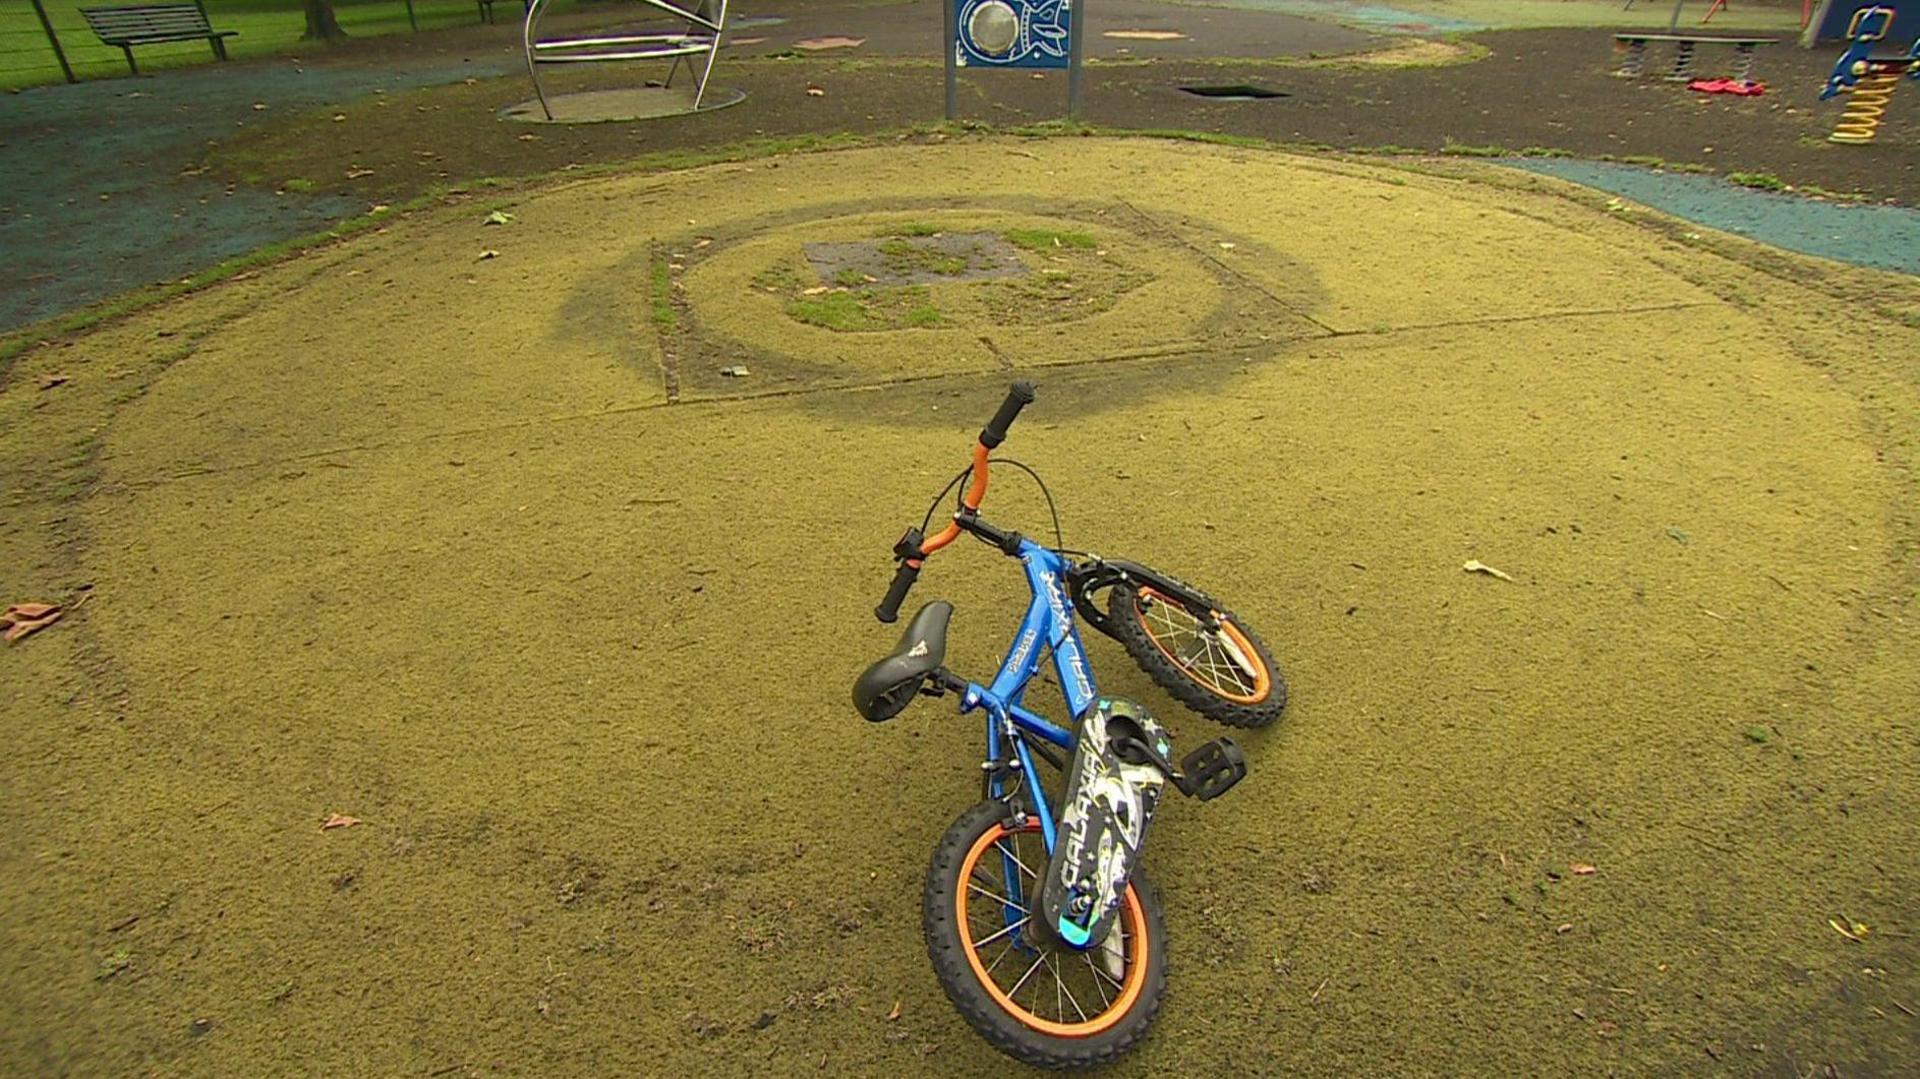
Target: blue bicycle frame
point(1049, 620)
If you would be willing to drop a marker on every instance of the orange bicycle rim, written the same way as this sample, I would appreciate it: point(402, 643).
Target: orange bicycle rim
point(1136, 975)
point(1262, 681)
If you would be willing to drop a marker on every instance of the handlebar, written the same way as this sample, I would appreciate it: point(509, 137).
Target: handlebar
point(1019, 396)
point(903, 578)
point(910, 552)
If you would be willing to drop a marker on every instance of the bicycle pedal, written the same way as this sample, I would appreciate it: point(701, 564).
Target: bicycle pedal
point(1212, 769)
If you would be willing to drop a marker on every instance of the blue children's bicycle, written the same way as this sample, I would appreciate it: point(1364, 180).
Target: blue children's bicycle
point(1040, 925)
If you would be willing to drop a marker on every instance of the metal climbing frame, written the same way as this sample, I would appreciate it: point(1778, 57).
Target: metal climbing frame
point(706, 26)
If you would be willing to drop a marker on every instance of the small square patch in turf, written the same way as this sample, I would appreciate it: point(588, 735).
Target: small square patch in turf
point(916, 260)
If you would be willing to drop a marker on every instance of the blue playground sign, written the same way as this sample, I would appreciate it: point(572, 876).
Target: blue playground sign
point(1013, 33)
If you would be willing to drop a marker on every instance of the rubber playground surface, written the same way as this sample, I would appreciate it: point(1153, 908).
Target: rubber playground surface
point(1887, 237)
point(460, 529)
point(105, 189)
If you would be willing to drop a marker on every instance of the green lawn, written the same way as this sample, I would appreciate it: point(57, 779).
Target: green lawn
point(265, 26)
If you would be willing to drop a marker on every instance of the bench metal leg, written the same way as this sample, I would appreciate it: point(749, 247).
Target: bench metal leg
point(219, 48)
point(131, 66)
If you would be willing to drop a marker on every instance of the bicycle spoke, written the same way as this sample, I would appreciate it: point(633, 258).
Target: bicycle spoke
point(983, 942)
point(1105, 1001)
point(1060, 985)
point(1024, 977)
point(1210, 658)
point(1003, 901)
point(1017, 861)
point(1003, 954)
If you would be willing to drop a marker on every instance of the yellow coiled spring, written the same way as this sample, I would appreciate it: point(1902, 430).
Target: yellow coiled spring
point(1866, 108)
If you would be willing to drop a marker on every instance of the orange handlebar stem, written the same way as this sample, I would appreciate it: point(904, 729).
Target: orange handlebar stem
point(976, 492)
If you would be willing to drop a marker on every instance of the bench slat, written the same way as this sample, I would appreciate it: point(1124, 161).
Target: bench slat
point(151, 22)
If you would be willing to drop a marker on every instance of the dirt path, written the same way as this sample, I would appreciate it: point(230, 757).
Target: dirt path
point(395, 531)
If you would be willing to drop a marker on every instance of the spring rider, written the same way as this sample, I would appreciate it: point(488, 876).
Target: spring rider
point(1868, 80)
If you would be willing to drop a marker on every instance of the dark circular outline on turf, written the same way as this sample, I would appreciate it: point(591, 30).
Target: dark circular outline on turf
point(505, 112)
point(699, 349)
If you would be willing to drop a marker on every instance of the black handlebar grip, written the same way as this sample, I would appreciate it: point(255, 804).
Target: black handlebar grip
point(903, 578)
point(1019, 396)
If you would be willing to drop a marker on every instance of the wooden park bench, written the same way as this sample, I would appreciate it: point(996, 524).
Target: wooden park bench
point(1633, 49)
point(149, 24)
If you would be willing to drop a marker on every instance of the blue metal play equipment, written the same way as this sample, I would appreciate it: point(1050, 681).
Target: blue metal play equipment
point(1012, 34)
point(1868, 80)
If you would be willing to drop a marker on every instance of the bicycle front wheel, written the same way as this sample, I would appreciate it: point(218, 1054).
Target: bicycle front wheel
point(1207, 660)
point(1029, 995)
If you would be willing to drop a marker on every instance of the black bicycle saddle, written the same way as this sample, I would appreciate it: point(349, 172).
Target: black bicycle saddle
point(888, 686)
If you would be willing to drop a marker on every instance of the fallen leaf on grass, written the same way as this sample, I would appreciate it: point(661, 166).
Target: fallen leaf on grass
point(815, 91)
point(1856, 933)
point(48, 382)
point(1582, 869)
point(339, 117)
point(22, 619)
point(814, 291)
point(488, 254)
point(1474, 565)
point(1227, 245)
point(338, 820)
point(499, 217)
point(895, 1013)
point(356, 173)
point(1563, 928)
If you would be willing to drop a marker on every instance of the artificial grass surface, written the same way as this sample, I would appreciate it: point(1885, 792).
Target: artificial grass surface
point(394, 531)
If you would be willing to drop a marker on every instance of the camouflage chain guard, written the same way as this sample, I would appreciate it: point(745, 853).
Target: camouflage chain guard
point(1103, 822)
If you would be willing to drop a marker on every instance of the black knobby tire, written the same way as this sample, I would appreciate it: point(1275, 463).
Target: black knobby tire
point(1127, 620)
point(941, 919)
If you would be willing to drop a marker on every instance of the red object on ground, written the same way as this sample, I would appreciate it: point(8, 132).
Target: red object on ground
point(1728, 86)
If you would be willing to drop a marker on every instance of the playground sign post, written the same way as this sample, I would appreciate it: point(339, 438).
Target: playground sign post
point(1012, 34)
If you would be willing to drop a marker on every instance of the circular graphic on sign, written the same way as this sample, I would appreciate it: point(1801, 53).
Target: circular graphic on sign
point(994, 28)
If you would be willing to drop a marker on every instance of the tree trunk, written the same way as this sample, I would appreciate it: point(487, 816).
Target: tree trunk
point(321, 25)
